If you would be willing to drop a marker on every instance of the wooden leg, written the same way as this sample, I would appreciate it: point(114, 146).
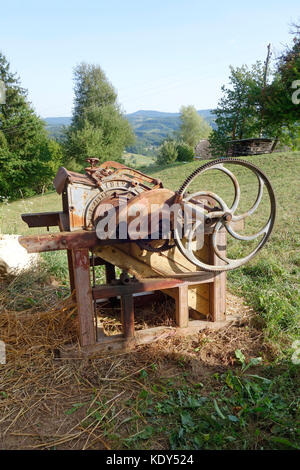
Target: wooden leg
point(182, 309)
point(71, 270)
point(217, 289)
point(127, 313)
point(81, 263)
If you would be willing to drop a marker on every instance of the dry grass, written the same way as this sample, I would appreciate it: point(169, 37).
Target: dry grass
point(51, 402)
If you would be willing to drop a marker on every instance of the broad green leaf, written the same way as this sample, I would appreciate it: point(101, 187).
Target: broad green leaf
point(218, 410)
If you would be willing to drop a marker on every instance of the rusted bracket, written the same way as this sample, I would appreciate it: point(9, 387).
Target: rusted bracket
point(47, 219)
point(66, 241)
point(60, 241)
point(42, 219)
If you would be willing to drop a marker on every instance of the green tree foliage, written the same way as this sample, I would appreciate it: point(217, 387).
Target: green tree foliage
point(282, 108)
point(254, 106)
point(238, 112)
point(99, 128)
point(185, 153)
point(167, 152)
point(28, 158)
point(193, 127)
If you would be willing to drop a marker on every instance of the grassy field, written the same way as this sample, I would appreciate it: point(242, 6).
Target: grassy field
point(235, 389)
point(137, 161)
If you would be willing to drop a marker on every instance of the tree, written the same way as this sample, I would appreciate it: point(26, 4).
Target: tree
point(238, 112)
point(185, 153)
point(98, 128)
point(259, 103)
point(282, 110)
point(29, 159)
point(167, 152)
point(193, 127)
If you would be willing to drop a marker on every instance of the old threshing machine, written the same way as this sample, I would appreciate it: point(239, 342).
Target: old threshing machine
point(121, 203)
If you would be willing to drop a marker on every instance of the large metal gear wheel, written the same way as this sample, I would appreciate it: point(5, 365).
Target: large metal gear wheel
point(223, 216)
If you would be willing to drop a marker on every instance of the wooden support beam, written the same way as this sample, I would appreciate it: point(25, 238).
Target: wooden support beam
point(127, 315)
point(70, 240)
point(108, 290)
point(182, 309)
point(71, 270)
point(217, 289)
point(64, 241)
point(117, 343)
point(81, 265)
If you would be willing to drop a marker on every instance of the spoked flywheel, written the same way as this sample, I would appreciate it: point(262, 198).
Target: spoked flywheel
point(228, 211)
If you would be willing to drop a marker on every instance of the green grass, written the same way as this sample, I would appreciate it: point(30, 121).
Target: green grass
point(10, 214)
point(236, 410)
point(137, 161)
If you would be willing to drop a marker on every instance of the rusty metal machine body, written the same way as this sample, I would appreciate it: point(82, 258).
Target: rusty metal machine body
point(83, 194)
point(84, 197)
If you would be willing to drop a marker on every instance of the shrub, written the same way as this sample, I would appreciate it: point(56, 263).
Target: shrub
point(185, 152)
point(167, 152)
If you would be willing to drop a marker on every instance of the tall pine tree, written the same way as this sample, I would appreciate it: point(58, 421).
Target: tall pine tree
point(98, 128)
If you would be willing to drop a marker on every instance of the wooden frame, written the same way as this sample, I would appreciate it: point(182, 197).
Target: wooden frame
point(79, 264)
point(181, 288)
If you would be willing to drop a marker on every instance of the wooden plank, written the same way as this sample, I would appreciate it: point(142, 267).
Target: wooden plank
point(182, 309)
point(217, 294)
point(63, 241)
point(148, 285)
point(81, 263)
point(124, 258)
point(127, 315)
point(88, 239)
point(117, 343)
point(71, 270)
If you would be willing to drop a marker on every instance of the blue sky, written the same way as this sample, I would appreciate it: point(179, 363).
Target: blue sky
point(158, 54)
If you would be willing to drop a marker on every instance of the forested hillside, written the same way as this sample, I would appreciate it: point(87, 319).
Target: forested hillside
point(150, 127)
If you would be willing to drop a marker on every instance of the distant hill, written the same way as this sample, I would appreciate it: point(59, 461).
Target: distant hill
point(150, 127)
point(54, 125)
point(58, 121)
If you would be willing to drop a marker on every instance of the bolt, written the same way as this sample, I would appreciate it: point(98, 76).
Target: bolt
point(93, 161)
point(227, 217)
